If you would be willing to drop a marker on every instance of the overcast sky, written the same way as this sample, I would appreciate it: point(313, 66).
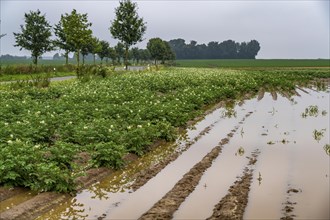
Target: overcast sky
point(284, 29)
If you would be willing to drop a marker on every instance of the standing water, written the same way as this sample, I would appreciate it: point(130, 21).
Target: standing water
point(290, 177)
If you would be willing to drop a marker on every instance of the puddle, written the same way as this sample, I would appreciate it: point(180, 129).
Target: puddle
point(112, 197)
point(292, 155)
point(295, 159)
point(225, 169)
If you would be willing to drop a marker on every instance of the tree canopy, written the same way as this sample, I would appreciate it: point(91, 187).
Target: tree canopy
point(160, 50)
point(35, 35)
point(127, 27)
point(228, 49)
point(77, 31)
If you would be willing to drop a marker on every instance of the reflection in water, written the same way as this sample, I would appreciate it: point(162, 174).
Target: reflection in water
point(75, 210)
point(272, 112)
point(242, 132)
point(229, 110)
point(259, 179)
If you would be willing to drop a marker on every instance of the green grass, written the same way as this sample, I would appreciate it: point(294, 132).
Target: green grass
point(237, 63)
point(4, 78)
point(45, 62)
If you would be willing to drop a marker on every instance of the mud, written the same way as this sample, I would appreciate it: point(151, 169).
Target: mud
point(165, 207)
point(232, 206)
point(289, 205)
point(145, 175)
point(43, 202)
point(33, 207)
point(7, 192)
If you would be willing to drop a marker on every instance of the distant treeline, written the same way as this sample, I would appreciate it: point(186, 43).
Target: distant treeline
point(11, 57)
point(228, 49)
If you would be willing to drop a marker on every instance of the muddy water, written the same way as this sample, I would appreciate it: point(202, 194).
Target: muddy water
point(112, 197)
point(292, 165)
point(143, 199)
point(290, 158)
point(295, 160)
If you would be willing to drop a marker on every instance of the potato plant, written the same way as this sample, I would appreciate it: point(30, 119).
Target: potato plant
point(43, 131)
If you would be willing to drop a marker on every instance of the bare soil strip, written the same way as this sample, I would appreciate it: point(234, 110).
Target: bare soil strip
point(232, 206)
point(165, 207)
point(261, 94)
point(288, 209)
point(6, 192)
point(33, 207)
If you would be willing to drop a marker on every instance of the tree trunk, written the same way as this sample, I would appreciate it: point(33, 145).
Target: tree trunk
point(94, 58)
point(78, 54)
point(126, 56)
point(35, 60)
point(66, 57)
point(83, 59)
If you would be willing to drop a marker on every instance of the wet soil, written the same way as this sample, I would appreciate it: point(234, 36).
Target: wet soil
point(233, 205)
point(166, 206)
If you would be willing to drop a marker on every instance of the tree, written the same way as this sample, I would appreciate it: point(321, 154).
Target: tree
point(135, 54)
point(112, 55)
point(127, 26)
point(77, 32)
point(92, 46)
point(61, 41)
point(35, 35)
point(104, 50)
point(160, 50)
point(144, 55)
point(169, 53)
point(156, 48)
point(253, 48)
point(120, 52)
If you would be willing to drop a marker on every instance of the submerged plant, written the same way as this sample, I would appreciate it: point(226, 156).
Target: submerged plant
point(240, 151)
point(327, 149)
point(312, 111)
point(317, 135)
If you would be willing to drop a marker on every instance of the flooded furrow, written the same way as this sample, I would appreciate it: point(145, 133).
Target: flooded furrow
point(293, 164)
point(218, 178)
point(232, 205)
point(113, 196)
point(144, 198)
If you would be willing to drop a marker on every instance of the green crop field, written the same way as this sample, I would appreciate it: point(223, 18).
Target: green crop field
point(43, 131)
point(236, 63)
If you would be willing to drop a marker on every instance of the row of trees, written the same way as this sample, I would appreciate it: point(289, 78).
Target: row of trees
point(157, 50)
point(73, 34)
point(214, 50)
